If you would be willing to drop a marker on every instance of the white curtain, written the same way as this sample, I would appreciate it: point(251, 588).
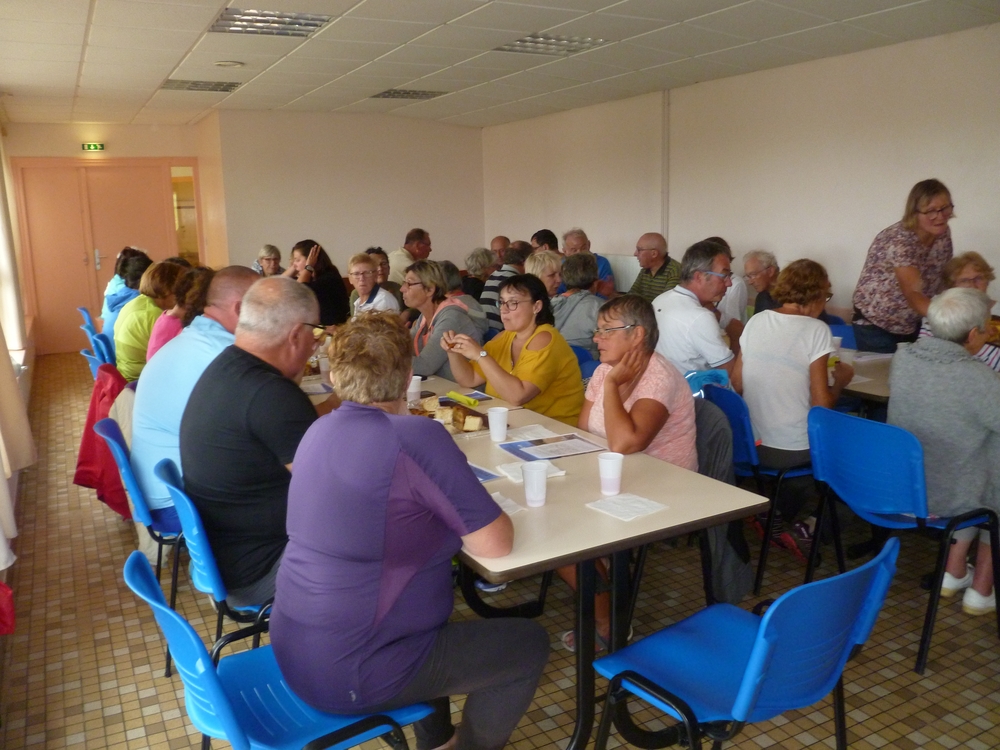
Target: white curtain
point(17, 449)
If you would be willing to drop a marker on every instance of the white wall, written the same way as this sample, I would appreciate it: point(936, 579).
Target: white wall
point(813, 160)
point(37, 139)
point(349, 181)
point(598, 167)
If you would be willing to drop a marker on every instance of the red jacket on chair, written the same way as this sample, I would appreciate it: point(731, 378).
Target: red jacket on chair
point(95, 466)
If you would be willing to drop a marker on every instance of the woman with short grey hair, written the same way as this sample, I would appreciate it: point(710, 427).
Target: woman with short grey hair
point(479, 264)
point(576, 309)
point(951, 402)
point(268, 261)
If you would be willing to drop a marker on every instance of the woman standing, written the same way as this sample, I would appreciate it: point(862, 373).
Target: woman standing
point(529, 363)
point(903, 270)
point(312, 266)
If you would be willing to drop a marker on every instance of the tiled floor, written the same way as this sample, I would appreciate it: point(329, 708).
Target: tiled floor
point(85, 667)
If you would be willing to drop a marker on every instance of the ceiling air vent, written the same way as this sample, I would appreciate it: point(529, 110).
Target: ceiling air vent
point(407, 94)
point(225, 86)
point(554, 46)
point(268, 23)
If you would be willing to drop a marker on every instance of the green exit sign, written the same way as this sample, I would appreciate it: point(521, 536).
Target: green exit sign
point(93, 146)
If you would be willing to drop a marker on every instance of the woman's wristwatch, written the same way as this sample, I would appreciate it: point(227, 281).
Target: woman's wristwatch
point(310, 269)
point(482, 353)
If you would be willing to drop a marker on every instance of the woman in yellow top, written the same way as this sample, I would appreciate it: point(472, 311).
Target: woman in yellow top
point(135, 321)
point(529, 363)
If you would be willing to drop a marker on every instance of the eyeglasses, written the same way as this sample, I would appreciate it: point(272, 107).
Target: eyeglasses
point(970, 282)
point(935, 212)
point(318, 329)
point(411, 283)
point(726, 275)
point(605, 331)
point(509, 304)
point(361, 274)
point(754, 274)
point(829, 296)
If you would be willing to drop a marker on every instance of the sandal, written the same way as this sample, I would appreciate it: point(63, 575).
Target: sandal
point(568, 640)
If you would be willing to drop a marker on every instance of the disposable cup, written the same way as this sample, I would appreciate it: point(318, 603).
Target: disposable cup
point(498, 423)
point(837, 341)
point(535, 476)
point(610, 466)
point(324, 366)
point(413, 390)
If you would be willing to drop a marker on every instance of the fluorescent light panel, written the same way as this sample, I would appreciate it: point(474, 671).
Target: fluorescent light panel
point(172, 84)
point(268, 23)
point(554, 46)
point(407, 94)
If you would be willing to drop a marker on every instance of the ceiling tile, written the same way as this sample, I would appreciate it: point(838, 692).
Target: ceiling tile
point(166, 116)
point(579, 69)
point(278, 76)
point(605, 26)
point(925, 19)
point(834, 39)
point(521, 19)
point(842, 9)
point(385, 67)
point(254, 63)
point(373, 105)
point(275, 91)
point(417, 53)
point(671, 10)
point(628, 56)
point(195, 100)
point(697, 69)
point(15, 71)
point(427, 11)
point(127, 56)
point(523, 110)
point(506, 61)
point(33, 51)
point(296, 65)
point(321, 7)
point(107, 36)
point(446, 106)
point(325, 99)
point(758, 56)
point(237, 101)
point(990, 6)
point(538, 83)
point(371, 84)
point(41, 33)
point(363, 30)
point(50, 11)
point(586, 6)
point(629, 84)
point(115, 92)
point(122, 13)
point(230, 46)
point(463, 37)
point(497, 92)
point(758, 20)
point(449, 80)
point(338, 49)
point(687, 40)
point(475, 119)
point(33, 89)
point(191, 72)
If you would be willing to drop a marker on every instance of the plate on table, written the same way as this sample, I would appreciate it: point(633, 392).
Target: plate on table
point(456, 418)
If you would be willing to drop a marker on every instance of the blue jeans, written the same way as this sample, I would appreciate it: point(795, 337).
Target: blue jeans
point(871, 338)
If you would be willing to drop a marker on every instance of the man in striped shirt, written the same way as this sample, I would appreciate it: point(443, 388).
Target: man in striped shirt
point(658, 272)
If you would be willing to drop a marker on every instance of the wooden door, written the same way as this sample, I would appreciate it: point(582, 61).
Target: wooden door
point(76, 217)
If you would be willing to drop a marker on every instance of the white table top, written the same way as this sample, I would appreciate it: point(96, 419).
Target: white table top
point(441, 386)
point(565, 531)
point(876, 388)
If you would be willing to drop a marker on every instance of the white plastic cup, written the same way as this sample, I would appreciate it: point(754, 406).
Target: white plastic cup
point(610, 466)
point(324, 366)
point(413, 391)
point(498, 423)
point(837, 341)
point(535, 474)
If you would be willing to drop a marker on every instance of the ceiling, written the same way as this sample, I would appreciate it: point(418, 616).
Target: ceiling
point(106, 60)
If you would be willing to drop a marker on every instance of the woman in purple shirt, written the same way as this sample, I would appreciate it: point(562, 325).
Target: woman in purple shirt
point(379, 503)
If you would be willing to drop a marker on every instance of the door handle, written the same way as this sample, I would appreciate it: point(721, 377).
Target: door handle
point(97, 259)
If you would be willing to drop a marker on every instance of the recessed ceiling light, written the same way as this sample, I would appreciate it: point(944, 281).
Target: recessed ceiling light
point(268, 22)
point(555, 46)
point(228, 64)
point(407, 94)
point(172, 84)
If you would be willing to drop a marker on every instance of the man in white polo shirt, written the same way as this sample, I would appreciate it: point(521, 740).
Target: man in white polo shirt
point(689, 332)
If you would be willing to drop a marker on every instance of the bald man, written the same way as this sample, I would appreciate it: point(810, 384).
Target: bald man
point(499, 245)
point(658, 272)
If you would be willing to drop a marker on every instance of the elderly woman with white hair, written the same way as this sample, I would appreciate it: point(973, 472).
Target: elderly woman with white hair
point(951, 402)
point(547, 266)
point(268, 261)
point(479, 264)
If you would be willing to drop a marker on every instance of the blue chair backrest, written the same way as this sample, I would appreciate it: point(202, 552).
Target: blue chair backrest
point(104, 348)
point(92, 360)
point(582, 355)
point(90, 331)
point(491, 334)
point(203, 691)
point(587, 369)
point(846, 333)
point(807, 635)
point(205, 574)
point(834, 320)
point(112, 434)
point(87, 320)
point(875, 468)
point(735, 409)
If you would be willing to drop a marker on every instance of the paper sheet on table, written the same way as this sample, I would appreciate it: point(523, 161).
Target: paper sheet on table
point(857, 379)
point(513, 471)
point(482, 474)
point(316, 388)
point(529, 432)
point(870, 356)
point(626, 507)
point(507, 505)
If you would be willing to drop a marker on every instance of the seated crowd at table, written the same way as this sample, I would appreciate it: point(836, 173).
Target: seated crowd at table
point(348, 513)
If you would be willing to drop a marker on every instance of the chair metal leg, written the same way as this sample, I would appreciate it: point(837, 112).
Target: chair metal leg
point(174, 572)
point(764, 547)
point(994, 527)
point(604, 728)
point(159, 559)
point(637, 571)
point(933, 600)
point(218, 621)
point(206, 742)
point(839, 716)
point(706, 567)
point(813, 561)
point(838, 540)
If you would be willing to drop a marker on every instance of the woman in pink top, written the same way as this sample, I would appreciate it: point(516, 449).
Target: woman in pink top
point(638, 401)
point(189, 293)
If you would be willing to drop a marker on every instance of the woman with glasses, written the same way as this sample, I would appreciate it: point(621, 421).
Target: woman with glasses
point(362, 272)
point(425, 290)
point(638, 401)
point(785, 360)
point(529, 363)
point(903, 270)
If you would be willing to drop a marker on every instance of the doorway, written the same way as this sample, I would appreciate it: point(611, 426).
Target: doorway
point(77, 214)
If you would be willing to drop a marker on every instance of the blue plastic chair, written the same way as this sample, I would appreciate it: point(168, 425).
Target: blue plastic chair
point(92, 361)
point(104, 348)
point(87, 320)
point(846, 333)
point(834, 320)
point(747, 464)
point(724, 667)
point(245, 700)
point(878, 470)
point(582, 354)
point(163, 535)
point(204, 571)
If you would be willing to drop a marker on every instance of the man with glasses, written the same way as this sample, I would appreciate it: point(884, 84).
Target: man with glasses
point(658, 272)
point(240, 431)
point(370, 296)
point(689, 332)
point(760, 269)
point(416, 246)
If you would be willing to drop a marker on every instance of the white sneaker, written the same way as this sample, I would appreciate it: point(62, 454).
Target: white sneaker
point(974, 603)
point(951, 585)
